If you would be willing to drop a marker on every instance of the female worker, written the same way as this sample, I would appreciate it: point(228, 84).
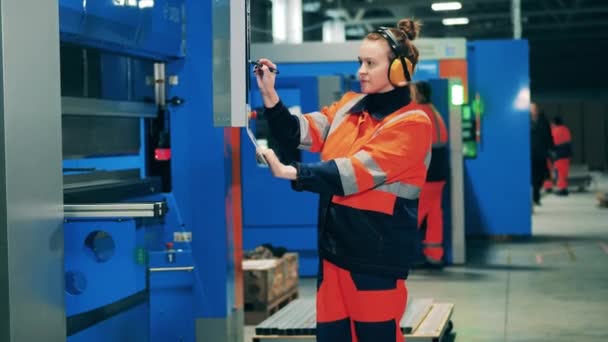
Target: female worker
point(375, 148)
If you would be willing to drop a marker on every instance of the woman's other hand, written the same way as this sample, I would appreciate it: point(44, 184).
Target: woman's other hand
point(277, 168)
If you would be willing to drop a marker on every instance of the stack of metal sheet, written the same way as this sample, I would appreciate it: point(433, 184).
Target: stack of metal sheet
point(298, 318)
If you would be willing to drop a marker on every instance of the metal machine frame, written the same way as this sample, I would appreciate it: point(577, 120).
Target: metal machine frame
point(31, 232)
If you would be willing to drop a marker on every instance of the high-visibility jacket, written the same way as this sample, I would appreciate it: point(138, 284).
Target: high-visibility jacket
point(369, 179)
point(439, 170)
point(563, 142)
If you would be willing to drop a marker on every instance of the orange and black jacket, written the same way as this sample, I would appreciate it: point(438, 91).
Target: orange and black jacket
point(439, 170)
point(375, 151)
point(563, 142)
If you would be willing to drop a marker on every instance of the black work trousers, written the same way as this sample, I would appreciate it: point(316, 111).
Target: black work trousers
point(540, 172)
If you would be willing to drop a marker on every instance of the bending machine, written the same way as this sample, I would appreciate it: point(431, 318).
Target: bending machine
point(111, 172)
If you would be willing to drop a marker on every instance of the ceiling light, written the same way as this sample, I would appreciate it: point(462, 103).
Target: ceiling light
point(455, 21)
point(446, 6)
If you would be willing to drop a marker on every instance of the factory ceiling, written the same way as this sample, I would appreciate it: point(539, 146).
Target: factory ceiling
point(488, 19)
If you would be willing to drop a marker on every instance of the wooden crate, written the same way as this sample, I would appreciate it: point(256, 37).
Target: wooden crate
point(269, 284)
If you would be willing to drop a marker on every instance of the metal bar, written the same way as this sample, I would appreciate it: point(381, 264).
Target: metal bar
point(289, 326)
point(266, 327)
point(415, 312)
point(171, 269)
point(153, 209)
point(436, 321)
point(430, 48)
point(516, 18)
point(159, 84)
point(230, 69)
point(97, 107)
point(311, 322)
point(111, 206)
point(457, 186)
point(281, 324)
point(298, 320)
point(102, 214)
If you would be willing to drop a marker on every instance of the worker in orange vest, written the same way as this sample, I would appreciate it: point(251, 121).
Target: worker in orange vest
point(375, 148)
point(430, 209)
point(561, 154)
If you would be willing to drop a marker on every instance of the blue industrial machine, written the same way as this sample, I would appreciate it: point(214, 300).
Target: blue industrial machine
point(149, 252)
point(497, 183)
point(145, 28)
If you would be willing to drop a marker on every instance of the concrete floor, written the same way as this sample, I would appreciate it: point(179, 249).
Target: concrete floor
point(552, 287)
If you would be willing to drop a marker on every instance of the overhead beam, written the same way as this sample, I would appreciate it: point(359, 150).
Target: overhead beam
point(410, 3)
point(558, 26)
point(486, 16)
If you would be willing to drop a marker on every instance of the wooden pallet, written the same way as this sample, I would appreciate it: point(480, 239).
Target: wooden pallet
point(255, 314)
point(424, 321)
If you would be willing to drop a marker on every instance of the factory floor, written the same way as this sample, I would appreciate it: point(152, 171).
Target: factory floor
point(552, 287)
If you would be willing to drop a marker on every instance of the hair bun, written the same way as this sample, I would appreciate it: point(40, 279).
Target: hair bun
point(409, 27)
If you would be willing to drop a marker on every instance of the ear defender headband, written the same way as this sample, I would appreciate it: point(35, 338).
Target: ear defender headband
point(400, 69)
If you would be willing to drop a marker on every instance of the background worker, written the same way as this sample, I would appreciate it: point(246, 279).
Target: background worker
point(430, 210)
point(375, 148)
point(541, 143)
point(561, 153)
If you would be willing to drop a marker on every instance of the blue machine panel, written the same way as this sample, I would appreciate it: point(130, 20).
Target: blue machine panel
point(100, 263)
point(128, 326)
point(143, 28)
point(497, 182)
point(171, 296)
point(202, 171)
